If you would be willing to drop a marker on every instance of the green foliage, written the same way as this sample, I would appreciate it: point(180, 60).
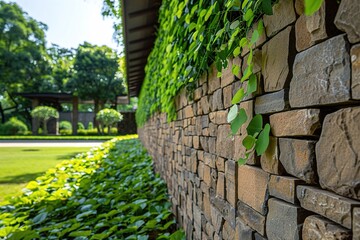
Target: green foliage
point(62, 137)
point(311, 6)
point(44, 112)
point(90, 126)
point(108, 117)
point(13, 127)
point(108, 193)
point(80, 126)
point(65, 125)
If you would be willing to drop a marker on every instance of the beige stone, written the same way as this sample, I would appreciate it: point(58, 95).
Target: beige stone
point(355, 67)
point(304, 122)
point(227, 95)
point(227, 76)
point(224, 144)
point(347, 19)
point(275, 63)
point(356, 223)
point(251, 217)
point(270, 158)
point(253, 187)
point(213, 81)
point(338, 151)
point(284, 188)
point(220, 187)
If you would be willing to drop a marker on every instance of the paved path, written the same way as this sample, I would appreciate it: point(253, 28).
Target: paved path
point(50, 143)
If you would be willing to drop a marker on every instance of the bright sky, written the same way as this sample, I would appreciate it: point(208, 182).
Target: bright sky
point(71, 22)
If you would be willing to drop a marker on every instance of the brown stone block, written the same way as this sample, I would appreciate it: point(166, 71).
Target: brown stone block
point(212, 145)
point(207, 176)
point(270, 158)
point(230, 170)
point(210, 160)
point(316, 227)
point(298, 158)
point(356, 223)
point(338, 152)
point(284, 221)
point(216, 102)
point(197, 94)
point(213, 129)
point(228, 232)
point(275, 68)
point(220, 186)
point(347, 19)
point(207, 207)
point(321, 74)
point(304, 122)
point(227, 95)
point(196, 142)
point(201, 170)
point(251, 217)
point(283, 15)
point(204, 143)
point(218, 117)
point(213, 80)
point(253, 187)
point(231, 195)
point(355, 68)
point(284, 188)
point(220, 164)
point(272, 102)
point(242, 231)
point(224, 143)
point(216, 219)
point(225, 209)
point(209, 229)
point(227, 75)
point(327, 204)
point(203, 104)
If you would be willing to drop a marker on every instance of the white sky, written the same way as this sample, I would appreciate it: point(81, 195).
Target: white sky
point(71, 22)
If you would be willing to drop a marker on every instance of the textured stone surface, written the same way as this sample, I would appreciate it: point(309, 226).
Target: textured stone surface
point(213, 81)
point(355, 75)
point(251, 217)
point(224, 143)
point(253, 187)
point(338, 153)
point(284, 220)
point(242, 231)
point(228, 232)
point(327, 204)
point(298, 158)
point(321, 74)
point(227, 75)
point(217, 101)
point(303, 122)
point(347, 19)
point(356, 223)
point(316, 227)
point(310, 29)
point(225, 209)
point(227, 94)
point(275, 63)
point(284, 188)
point(272, 102)
point(270, 159)
point(283, 15)
point(220, 186)
point(256, 60)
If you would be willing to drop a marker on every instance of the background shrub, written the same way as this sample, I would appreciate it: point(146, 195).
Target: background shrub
point(65, 125)
point(80, 126)
point(90, 126)
point(13, 127)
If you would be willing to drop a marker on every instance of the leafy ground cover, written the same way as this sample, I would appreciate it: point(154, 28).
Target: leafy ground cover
point(57, 137)
point(19, 165)
point(108, 193)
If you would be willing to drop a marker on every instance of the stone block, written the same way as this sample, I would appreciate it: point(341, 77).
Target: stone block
point(216, 103)
point(356, 223)
point(212, 145)
point(283, 15)
point(203, 105)
point(284, 188)
point(204, 121)
point(231, 195)
point(321, 74)
point(197, 214)
point(327, 204)
point(213, 80)
point(207, 175)
point(213, 129)
point(256, 60)
point(197, 94)
point(253, 187)
point(227, 75)
point(206, 207)
point(220, 186)
point(275, 63)
point(316, 227)
point(230, 170)
point(310, 30)
point(228, 232)
point(304, 122)
point(209, 159)
point(224, 144)
point(216, 219)
point(227, 94)
point(355, 74)
point(204, 143)
point(270, 158)
point(272, 102)
point(209, 229)
point(298, 158)
point(220, 164)
point(218, 117)
point(284, 221)
point(196, 142)
point(259, 237)
point(251, 217)
point(347, 19)
point(338, 151)
point(226, 210)
point(242, 231)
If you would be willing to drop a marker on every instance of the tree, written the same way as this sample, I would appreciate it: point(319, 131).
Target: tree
point(23, 61)
point(107, 118)
point(96, 75)
point(44, 113)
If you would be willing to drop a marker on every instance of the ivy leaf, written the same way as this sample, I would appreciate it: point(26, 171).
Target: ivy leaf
point(232, 113)
point(249, 142)
point(238, 121)
point(234, 24)
point(40, 218)
point(255, 36)
point(247, 73)
point(267, 8)
point(80, 233)
point(255, 125)
point(243, 42)
point(263, 140)
point(252, 84)
point(238, 96)
point(242, 161)
point(235, 69)
point(236, 52)
point(249, 14)
point(311, 6)
point(260, 27)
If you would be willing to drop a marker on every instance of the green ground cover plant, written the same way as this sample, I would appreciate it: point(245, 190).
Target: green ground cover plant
point(59, 137)
point(108, 193)
point(19, 165)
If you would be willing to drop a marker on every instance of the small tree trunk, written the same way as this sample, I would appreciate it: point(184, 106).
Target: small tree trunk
point(109, 128)
point(2, 114)
point(45, 127)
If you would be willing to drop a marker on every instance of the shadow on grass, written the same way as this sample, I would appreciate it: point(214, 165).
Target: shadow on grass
point(67, 156)
point(31, 150)
point(23, 178)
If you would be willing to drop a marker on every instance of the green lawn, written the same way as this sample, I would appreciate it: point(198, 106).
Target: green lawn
point(19, 165)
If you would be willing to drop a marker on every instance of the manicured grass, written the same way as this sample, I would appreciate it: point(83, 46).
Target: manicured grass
point(19, 165)
point(56, 137)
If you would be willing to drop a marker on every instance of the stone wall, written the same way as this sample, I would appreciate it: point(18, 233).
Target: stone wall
point(307, 184)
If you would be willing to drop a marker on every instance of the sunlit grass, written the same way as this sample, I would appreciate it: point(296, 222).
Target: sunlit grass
point(19, 165)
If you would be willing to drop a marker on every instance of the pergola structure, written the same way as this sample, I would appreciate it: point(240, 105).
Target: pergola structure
point(56, 99)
